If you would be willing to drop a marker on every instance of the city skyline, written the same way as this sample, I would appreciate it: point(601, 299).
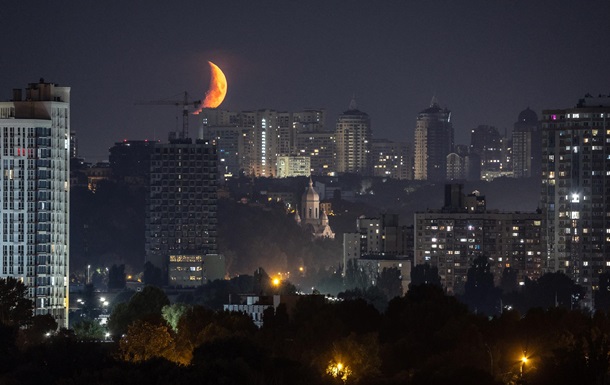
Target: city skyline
point(485, 61)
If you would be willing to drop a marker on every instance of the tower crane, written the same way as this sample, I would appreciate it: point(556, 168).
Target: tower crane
point(186, 103)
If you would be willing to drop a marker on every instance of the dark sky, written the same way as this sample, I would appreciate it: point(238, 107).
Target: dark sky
point(486, 60)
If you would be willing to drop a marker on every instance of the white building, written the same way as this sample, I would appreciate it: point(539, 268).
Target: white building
point(290, 166)
point(35, 161)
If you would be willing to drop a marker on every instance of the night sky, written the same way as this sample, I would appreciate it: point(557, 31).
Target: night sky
point(485, 60)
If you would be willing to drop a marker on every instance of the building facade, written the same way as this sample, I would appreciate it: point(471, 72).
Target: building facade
point(250, 142)
point(353, 138)
point(181, 207)
point(35, 199)
point(391, 159)
point(130, 161)
point(433, 142)
point(487, 143)
point(451, 241)
point(526, 146)
point(575, 190)
point(320, 146)
point(292, 166)
point(451, 238)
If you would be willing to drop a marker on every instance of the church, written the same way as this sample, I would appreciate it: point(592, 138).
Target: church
point(311, 217)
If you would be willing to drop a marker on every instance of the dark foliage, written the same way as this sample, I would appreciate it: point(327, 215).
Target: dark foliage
point(425, 275)
point(116, 277)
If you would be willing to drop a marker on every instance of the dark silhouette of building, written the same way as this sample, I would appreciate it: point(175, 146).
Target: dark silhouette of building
point(130, 161)
point(433, 142)
point(527, 145)
point(181, 217)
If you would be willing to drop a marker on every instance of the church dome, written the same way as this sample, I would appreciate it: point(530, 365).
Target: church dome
point(528, 116)
point(311, 194)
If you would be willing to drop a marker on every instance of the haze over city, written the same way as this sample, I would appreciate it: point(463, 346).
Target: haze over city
point(361, 192)
point(484, 60)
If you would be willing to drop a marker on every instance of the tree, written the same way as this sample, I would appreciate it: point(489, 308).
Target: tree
point(480, 293)
point(508, 282)
point(39, 329)
point(173, 313)
point(390, 282)
point(425, 275)
point(88, 330)
point(602, 295)
point(355, 277)
point(15, 307)
point(145, 340)
point(116, 277)
point(553, 290)
point(146, 304)
point(152, 275)
point(355, 358)
point(90, 307)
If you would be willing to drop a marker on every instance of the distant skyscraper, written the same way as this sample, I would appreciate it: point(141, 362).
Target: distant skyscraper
point(181, 220)
point(433, 142)
point(486, 142)
point(35, 199)
point(575, 180)
point(320, 146)
point(526, 145)
point(250, 141)
point(353, 136)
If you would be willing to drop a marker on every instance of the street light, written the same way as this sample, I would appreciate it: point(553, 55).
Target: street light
point(88, 274)
point(338, 370)
point(523, 362)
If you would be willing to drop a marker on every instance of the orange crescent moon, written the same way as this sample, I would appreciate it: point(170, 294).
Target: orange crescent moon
point(218, 88)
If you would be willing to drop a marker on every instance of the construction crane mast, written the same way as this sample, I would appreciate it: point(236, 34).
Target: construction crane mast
point(186, 103)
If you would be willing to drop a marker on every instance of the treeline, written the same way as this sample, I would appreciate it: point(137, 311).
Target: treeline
point(424, 337)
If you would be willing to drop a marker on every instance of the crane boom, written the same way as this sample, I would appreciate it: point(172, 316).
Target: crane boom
point(186, 103)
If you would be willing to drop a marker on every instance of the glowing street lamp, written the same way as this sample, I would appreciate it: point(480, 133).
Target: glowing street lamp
point(338, 370)
point(276, 282)
point(523, 362)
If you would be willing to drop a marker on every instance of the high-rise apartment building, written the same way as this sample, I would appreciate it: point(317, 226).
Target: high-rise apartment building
point(433, 142)
point(526, 147)
point(391, 159)
point(321, 148)
point(451, 238)
point(353, 138)
point(181, 217)
point(575, 190)
point(249, 142)
point(487, 143)
point(35, 194)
